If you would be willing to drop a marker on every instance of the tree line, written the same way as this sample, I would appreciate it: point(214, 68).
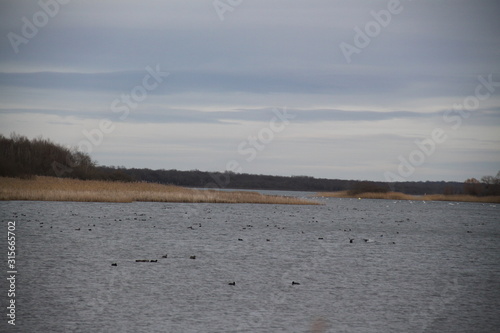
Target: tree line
point(24, 158)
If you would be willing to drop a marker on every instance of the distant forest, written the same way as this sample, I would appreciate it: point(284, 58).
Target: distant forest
point(24, 158)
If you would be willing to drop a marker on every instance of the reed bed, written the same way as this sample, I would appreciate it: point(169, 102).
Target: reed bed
point(65, 189)
point(402, 196)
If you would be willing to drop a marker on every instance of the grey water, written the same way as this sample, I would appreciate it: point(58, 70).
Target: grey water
point(411, 267)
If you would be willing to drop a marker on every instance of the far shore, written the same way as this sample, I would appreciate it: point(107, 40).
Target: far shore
point(41, 188)
point(402, 196)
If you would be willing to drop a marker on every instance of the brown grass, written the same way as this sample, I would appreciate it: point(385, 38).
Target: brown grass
point(402, 196)
point(64, 189)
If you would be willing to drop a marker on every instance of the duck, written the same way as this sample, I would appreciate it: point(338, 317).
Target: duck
point(232, 283)
point(165, 256)
point(114, 264)
point(192, 257)
point(295, 283)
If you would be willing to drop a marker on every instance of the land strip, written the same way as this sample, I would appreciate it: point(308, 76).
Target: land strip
point(41, 188)
point(402, 196)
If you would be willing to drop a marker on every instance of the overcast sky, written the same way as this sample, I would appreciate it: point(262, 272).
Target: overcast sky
point(334, 89)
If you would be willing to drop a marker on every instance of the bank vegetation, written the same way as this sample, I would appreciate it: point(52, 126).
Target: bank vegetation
point(43, 188)
point(402, 196)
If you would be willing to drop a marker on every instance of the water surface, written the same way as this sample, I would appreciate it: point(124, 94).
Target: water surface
point(411, 267)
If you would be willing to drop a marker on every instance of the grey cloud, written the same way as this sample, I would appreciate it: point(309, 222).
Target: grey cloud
point(150, 115)
point(264, 53)
point(257, 83)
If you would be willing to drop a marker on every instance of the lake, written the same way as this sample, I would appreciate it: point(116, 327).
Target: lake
point(411, 267)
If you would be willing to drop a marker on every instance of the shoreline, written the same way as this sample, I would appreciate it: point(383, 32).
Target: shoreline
point(403, 196)
point(43, 188)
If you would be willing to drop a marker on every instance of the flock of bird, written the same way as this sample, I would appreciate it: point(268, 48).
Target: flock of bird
point(142, 217)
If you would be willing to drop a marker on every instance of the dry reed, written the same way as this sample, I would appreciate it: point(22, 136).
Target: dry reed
point(65, 189)
point(402, 196)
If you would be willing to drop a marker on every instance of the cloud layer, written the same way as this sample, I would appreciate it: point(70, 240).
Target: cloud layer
point(416, 68)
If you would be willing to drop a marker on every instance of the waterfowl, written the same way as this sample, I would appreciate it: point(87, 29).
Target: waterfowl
point(165, 256)
point(192, 257)
point(114, 264)
point(232, 283)
point(295, 283)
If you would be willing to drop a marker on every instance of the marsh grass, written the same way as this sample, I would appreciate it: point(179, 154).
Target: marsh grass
point(402, 196)
point(65, 189)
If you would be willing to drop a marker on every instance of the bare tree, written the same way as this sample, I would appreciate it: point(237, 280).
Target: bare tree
point(472, 186)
